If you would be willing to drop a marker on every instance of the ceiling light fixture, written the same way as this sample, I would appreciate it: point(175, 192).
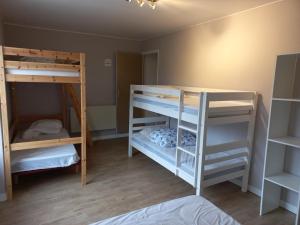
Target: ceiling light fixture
point(151, 3)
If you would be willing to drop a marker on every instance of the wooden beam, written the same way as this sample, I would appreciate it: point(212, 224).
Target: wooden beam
point(83, 118)
point(41, 79)
point(45, 143)
point(41, 53)
point(64, 107)
point(76, 104)
point(40, 66)
point(5, 128)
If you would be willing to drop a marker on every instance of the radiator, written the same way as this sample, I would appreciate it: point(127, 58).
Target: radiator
point(98, 117)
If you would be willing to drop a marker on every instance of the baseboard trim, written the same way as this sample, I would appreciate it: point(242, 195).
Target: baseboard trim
point(288, 206)
point(109, 136)
point(3, 197)
point(257, 191)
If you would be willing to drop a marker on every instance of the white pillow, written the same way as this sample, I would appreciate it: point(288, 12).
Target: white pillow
point(47, 126)
point(30, 134)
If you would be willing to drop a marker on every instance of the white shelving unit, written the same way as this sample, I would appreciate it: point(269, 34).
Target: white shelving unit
point(283, 135)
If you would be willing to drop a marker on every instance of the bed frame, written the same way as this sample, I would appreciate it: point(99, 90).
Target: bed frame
point(206, 115)
point(30, 60)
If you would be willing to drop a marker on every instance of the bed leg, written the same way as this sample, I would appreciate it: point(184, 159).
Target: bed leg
point(245, 183)
point(199, 191)
point(129, 151)
point(16, 179)
point(77, 168)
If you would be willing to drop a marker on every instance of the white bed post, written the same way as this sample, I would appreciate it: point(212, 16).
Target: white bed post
point(202, 136)
point(180, 110)
point(130, 130)
point(250, 137)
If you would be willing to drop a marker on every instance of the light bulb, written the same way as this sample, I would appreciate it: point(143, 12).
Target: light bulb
point(152, 5)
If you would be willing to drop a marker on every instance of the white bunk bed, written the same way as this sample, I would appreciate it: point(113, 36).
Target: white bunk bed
point(195, 109)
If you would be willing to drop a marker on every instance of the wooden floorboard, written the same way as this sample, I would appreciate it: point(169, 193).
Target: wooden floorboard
point(118, 185)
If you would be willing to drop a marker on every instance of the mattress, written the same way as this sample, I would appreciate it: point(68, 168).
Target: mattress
point(190, 210)
point(44, 158)
point(42, 73)
point(187, 160)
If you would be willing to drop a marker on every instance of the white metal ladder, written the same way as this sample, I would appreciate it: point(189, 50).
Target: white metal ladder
point(198, 130)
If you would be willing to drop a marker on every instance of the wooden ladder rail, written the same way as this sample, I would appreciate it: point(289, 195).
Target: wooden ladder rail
point(75, 101)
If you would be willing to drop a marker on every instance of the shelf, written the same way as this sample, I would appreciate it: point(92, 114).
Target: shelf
point(289, 141)
point(286, 180)
point(286, 99)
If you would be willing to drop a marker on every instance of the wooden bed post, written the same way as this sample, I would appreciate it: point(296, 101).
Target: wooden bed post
point(130, 130)
point(202, 134)
point(250, 139)
point(64, 106)
point(83, 118)
point(5, 128)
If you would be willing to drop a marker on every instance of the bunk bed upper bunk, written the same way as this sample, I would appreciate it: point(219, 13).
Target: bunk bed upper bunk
point(40, 66)
point(31, 65)
point(165, 101)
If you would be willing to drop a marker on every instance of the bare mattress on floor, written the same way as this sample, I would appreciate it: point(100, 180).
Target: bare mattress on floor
point(191, 210)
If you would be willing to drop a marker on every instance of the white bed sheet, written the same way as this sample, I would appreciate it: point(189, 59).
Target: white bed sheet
point(44, 158)
point(187, 160)
point(43, 73)
point(191, 210)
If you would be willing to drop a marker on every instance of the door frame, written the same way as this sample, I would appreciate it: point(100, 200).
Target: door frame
point(150, 52)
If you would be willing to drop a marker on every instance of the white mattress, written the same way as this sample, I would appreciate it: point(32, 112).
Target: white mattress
point(42, 73)
point(44, 158)
point(191, 210)
point(187, 160)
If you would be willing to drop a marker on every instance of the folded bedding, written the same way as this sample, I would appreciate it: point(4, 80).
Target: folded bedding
point(190, 210)
point(167, 137)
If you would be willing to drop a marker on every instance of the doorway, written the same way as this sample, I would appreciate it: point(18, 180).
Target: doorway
point(150, 67)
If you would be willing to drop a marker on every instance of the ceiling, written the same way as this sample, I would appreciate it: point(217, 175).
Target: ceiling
point(119, 17)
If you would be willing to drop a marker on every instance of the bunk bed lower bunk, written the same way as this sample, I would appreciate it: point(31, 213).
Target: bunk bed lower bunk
point(46, 158)
point(198, 163)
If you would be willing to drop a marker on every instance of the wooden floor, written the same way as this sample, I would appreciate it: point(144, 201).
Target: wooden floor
point(118, 185)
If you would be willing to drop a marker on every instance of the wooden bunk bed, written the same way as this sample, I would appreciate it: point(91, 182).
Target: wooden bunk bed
point(195, 109)
point(41, 66)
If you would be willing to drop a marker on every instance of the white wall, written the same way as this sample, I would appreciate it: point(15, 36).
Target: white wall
point(2, 187)
point(236, 52)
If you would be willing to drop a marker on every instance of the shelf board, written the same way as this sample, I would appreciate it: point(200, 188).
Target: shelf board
point(289, 141)
point(286, 99)
point(286, 180)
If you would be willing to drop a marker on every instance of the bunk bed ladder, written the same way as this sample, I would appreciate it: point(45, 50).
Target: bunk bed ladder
point(199, 131)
